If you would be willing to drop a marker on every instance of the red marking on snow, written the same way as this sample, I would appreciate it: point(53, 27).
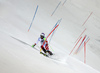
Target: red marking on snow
point(75, 45)
point(87, 18)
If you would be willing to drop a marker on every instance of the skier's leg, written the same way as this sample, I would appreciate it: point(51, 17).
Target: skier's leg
point(43, 49)
point(50, 52)
point(47, 48)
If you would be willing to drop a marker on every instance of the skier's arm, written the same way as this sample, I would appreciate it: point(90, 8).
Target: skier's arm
point(33, 45)
point(36, 42)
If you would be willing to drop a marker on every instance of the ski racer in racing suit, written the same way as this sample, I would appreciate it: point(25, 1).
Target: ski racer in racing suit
point(44, 44)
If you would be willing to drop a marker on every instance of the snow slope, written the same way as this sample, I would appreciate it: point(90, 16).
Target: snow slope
point(15, 19)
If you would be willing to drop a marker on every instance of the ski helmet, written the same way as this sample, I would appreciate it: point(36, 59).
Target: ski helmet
point(42, 35)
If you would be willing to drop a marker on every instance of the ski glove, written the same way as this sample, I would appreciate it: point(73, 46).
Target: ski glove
point(33, 45)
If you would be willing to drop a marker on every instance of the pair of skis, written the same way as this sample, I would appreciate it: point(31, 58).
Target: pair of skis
point(44, 54)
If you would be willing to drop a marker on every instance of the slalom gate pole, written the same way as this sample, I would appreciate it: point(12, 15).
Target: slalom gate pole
point(87, 18)
point(64, 2)
point(56, 8)
point(84, 52)
point(58, 22)
point(88, 40)
point(52, 31)
point(81, 43)
point(85, 40)
point(75, 45)
point(33, 18)
point(81, 34)
point(50, 34)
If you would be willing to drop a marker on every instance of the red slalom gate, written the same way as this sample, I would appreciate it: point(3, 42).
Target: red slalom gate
point(88, 40)
point(75, 45)
point(81, 34)
point(52, 31)
point(81, 43)
point(87, 18)
point(50, 34)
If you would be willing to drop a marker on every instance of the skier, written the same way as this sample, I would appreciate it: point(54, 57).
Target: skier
point(44, 44)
